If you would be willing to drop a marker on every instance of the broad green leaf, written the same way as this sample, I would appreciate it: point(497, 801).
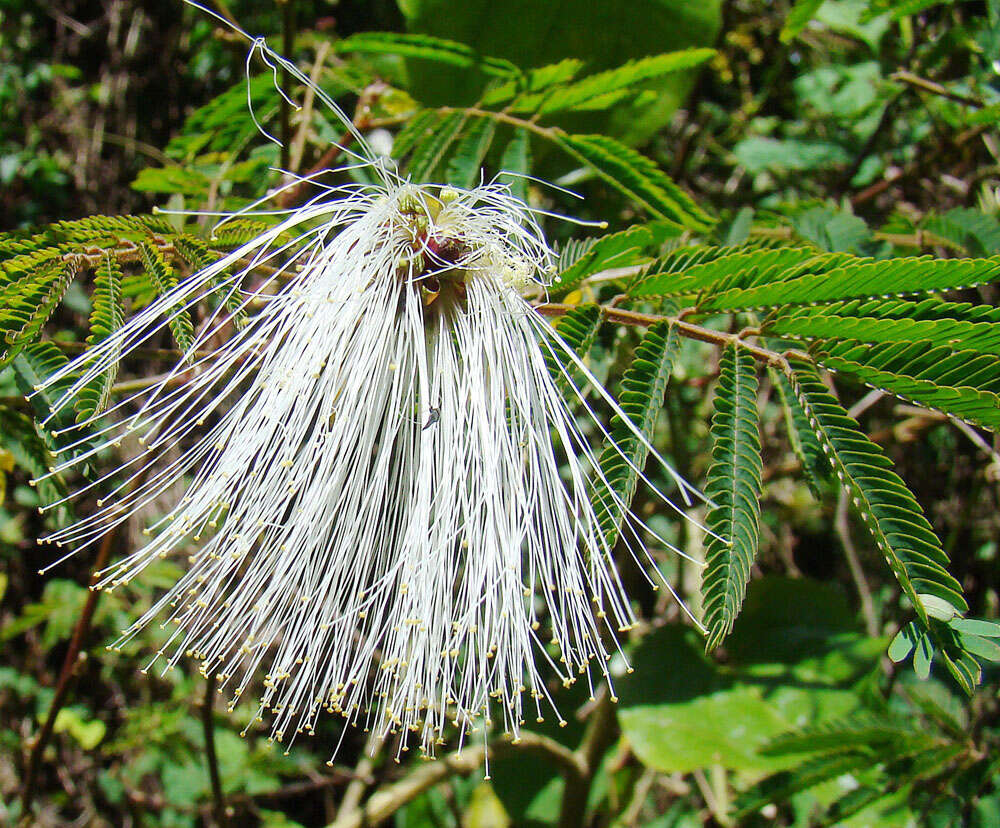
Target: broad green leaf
point(605, 35)
point(637, 177)
point(644, 385)
point(798, 18)
point(734, 485)
point(964, 384)
point(885, 505)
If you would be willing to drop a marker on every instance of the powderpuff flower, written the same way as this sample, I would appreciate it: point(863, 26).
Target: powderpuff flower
point(387, 497)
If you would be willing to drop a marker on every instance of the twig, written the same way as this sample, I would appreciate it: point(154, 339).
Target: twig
point(627, 317)
point(384, 803)
point(75, 656)
point(599, 734)
point(299, 144)
point(935, 88)
point(208, 726)
point(843, 528)
point(287, 47)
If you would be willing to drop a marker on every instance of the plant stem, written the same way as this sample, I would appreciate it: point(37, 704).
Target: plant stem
point(600, 733)
point(384, 803)
point(75, 656)
point(208, 725)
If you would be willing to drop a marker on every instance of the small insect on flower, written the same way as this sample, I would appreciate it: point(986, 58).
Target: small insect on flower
point(385, 487)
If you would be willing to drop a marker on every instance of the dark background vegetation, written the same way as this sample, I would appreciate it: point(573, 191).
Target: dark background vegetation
point(859, 131)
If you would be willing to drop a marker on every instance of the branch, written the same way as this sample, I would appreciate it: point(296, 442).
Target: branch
point(627, 317)
point(384, 803)
point(208, 726)
point(75, 656)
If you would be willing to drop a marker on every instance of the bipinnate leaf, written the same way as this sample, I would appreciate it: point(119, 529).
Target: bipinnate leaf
point(644, 385)
point(900, 531)
point(638, 178)
point(163, 277)
point(106, 316)
point(734, 486)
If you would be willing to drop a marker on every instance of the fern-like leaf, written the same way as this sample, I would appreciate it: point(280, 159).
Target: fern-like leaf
point(163, 277)
point(644, 385)
point(885, 504)
point(714, 269)
point(426, 47)
point(431, 148)
point(734, 486)
point(107, 316)
point(465, 165)
point(964, 384)
point(516, 160)
point(864, 278)
point(802, 437)
point(29, 308)
point(637, 177)
point(843, 322)
point(600, 90)
point(578, 260)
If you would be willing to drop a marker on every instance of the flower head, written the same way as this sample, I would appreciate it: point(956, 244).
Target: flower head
point(385, 487)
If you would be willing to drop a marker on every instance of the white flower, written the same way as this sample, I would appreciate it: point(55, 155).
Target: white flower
point(388, 497)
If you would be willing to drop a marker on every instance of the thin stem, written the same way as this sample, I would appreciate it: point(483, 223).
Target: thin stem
point(599, 734)
point(384, 803)
point(627, 317)
point(208, 725)
point(854, 565)
point(287, 47)
point(75, 656)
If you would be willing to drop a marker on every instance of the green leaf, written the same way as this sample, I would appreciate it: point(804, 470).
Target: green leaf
point(465, 165)
point(603, 89)
point(20, 438)
point(578, 328)
point(638, 178)
point(734, 485)
point(964, 384)
point(431, 148)
point(516, 159)
point(887, 508)
point(903, 643)
point(644, 385)
point(861, 279)
point(106, 317)
point(163, 277)
point(425, 47)
point(580, 259)
point(527, 89)
point(416, 129)
point(714, 269)
point(850, 321)
point(976, 626)
point(802, 437)
point(198, 256)
point(29, 308)
point(798, 18)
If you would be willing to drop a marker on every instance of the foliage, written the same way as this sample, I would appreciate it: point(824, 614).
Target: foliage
point(793, 294)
